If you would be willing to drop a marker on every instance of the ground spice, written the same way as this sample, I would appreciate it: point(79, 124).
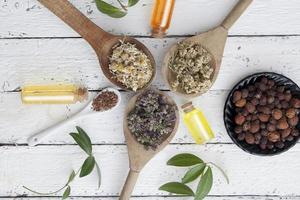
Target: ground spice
point(105, 101)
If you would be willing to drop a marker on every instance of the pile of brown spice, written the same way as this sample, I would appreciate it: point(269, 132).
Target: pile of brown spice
point(105, 101)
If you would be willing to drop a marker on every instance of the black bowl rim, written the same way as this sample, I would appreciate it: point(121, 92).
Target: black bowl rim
point(259, 74)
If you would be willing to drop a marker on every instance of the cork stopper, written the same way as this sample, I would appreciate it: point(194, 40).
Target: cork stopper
point(188, 107)
point(82, 94)
point(158, 33)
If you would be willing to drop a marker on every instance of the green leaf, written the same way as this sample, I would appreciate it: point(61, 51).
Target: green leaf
point(84, 136)
point(87, 166)
point(193, 173)
point(66, 193)
point(99, 175)
point(132, 2)
point(184, 160)
point(110, 10)
point(82, 143)
point(177, 188)
point(71, 177)
point(204, 185)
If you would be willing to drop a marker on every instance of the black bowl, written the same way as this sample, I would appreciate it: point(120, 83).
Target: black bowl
point(229, 112)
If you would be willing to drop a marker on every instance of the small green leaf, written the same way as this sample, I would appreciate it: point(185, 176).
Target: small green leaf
point(204, 185)
point(193, 173)
point(99, 175)
point(66, 193)
point(84, 136)
point(184, 160)
point(110, 10)
point(86, 147)
point(177, 188)
point(71, 177)
point(87, 166)
point(132, 2)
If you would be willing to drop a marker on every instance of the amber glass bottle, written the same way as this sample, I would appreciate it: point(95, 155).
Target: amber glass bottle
point(161, 17)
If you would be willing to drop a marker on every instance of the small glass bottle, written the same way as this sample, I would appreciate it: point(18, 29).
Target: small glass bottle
point(161, 17)
point(53, 94)
point(197, 124)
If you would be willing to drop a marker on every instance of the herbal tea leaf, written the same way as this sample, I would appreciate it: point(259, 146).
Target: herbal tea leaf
point(184, 160)
point(86, 147)
point(193, 173)
point(221, 170)
point(99, 175)
point(87, 166)
point(110, 10)
point(204, 185)
point(67, 193)
point(84, 136)
point(71, 177)
point(177, 188)
point(132, 2)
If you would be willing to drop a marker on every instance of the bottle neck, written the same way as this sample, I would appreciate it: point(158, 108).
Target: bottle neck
point(188, 107)
point(81, 94)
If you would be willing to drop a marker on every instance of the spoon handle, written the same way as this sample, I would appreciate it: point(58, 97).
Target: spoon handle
point(63, 9)
point(129, 185)
point(236, 12)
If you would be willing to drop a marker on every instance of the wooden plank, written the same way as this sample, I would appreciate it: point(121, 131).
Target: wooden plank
point(72, 60)
point(264, 17)
point(46, 168)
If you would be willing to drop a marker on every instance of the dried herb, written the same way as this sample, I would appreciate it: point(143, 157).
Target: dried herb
point(199, 169)
point(105, 101)
point(84, 141)
point(152, 119)
point(192, 65)
point(113, 11)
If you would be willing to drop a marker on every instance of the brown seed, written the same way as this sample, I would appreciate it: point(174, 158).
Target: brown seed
point(273, 136)
point(246, 126)
point(249, 138)
point(251, 88)
point(264, 117)
point(271, 127)
point(285, 104)
point(239, 119)
point(238, 129)
point(263, 87)
point(254, 102)
point(240, 103)
point(254, 127)
point(250, 107)
point(241, 136)
point(295, 102)
point(286, 132)
point(244, 112)
point(290, 113)
point(263, 101)
point(270, 99)
point(293, 121)
point(282, 124)
point(280, 96)
point(237, 95)
point(245, 93)
point(287, 96)
point(277, 114)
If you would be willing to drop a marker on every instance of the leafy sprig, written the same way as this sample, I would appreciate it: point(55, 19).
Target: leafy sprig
point(113, 11)
point(198, 168)
point(84, 141)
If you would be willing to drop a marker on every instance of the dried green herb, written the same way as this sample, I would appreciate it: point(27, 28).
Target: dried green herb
point(114, 11)
point(84, 142)
point(199, 169)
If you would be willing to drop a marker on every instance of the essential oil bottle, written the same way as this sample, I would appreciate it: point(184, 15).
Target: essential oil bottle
point(197, 124)
point(53, 94)
point(161, 17)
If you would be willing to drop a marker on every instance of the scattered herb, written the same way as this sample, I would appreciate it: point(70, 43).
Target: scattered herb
point(192, 65)
point(152, 120)
point(105, 101)
point(84, 141)
point(198, 169)
point(130, 66)
point(114, 11)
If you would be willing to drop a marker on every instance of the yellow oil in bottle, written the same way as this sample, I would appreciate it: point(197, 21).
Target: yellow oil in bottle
point(161, 17)
point(197, 124)
point(53, 94)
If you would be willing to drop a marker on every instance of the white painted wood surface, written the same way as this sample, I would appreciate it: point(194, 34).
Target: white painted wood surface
point(36, 47)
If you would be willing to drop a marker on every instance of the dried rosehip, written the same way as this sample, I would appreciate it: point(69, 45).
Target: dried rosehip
point(290, 113)
point(245, 93)
point(295, 102)
point(249, 138)
point(264, 117)
point(238, 129)
point(240, 103)
point(237, 95)
point(277, 114)
point(273, 136)
point(239, 119)
point(293, 121)
point(282, 124)
point(250, 107)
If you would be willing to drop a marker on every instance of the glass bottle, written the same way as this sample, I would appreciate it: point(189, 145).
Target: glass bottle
point(197, 124)
point(53, 94)
point(161, 17)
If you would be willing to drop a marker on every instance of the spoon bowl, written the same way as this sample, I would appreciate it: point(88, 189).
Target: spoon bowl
point(101, 41)
point(138, 155)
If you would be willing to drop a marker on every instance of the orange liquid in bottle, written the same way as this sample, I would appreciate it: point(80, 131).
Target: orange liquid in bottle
point(161, 17)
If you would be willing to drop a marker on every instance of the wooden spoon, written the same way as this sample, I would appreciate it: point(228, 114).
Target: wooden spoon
point(213, 41)
point(101, 41)
point(138, 155)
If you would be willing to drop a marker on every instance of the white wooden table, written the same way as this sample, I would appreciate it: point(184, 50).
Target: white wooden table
point(37, 48)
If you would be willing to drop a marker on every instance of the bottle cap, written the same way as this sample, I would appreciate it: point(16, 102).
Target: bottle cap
point(82, 94)
point(188, 107)
point(158, 33)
